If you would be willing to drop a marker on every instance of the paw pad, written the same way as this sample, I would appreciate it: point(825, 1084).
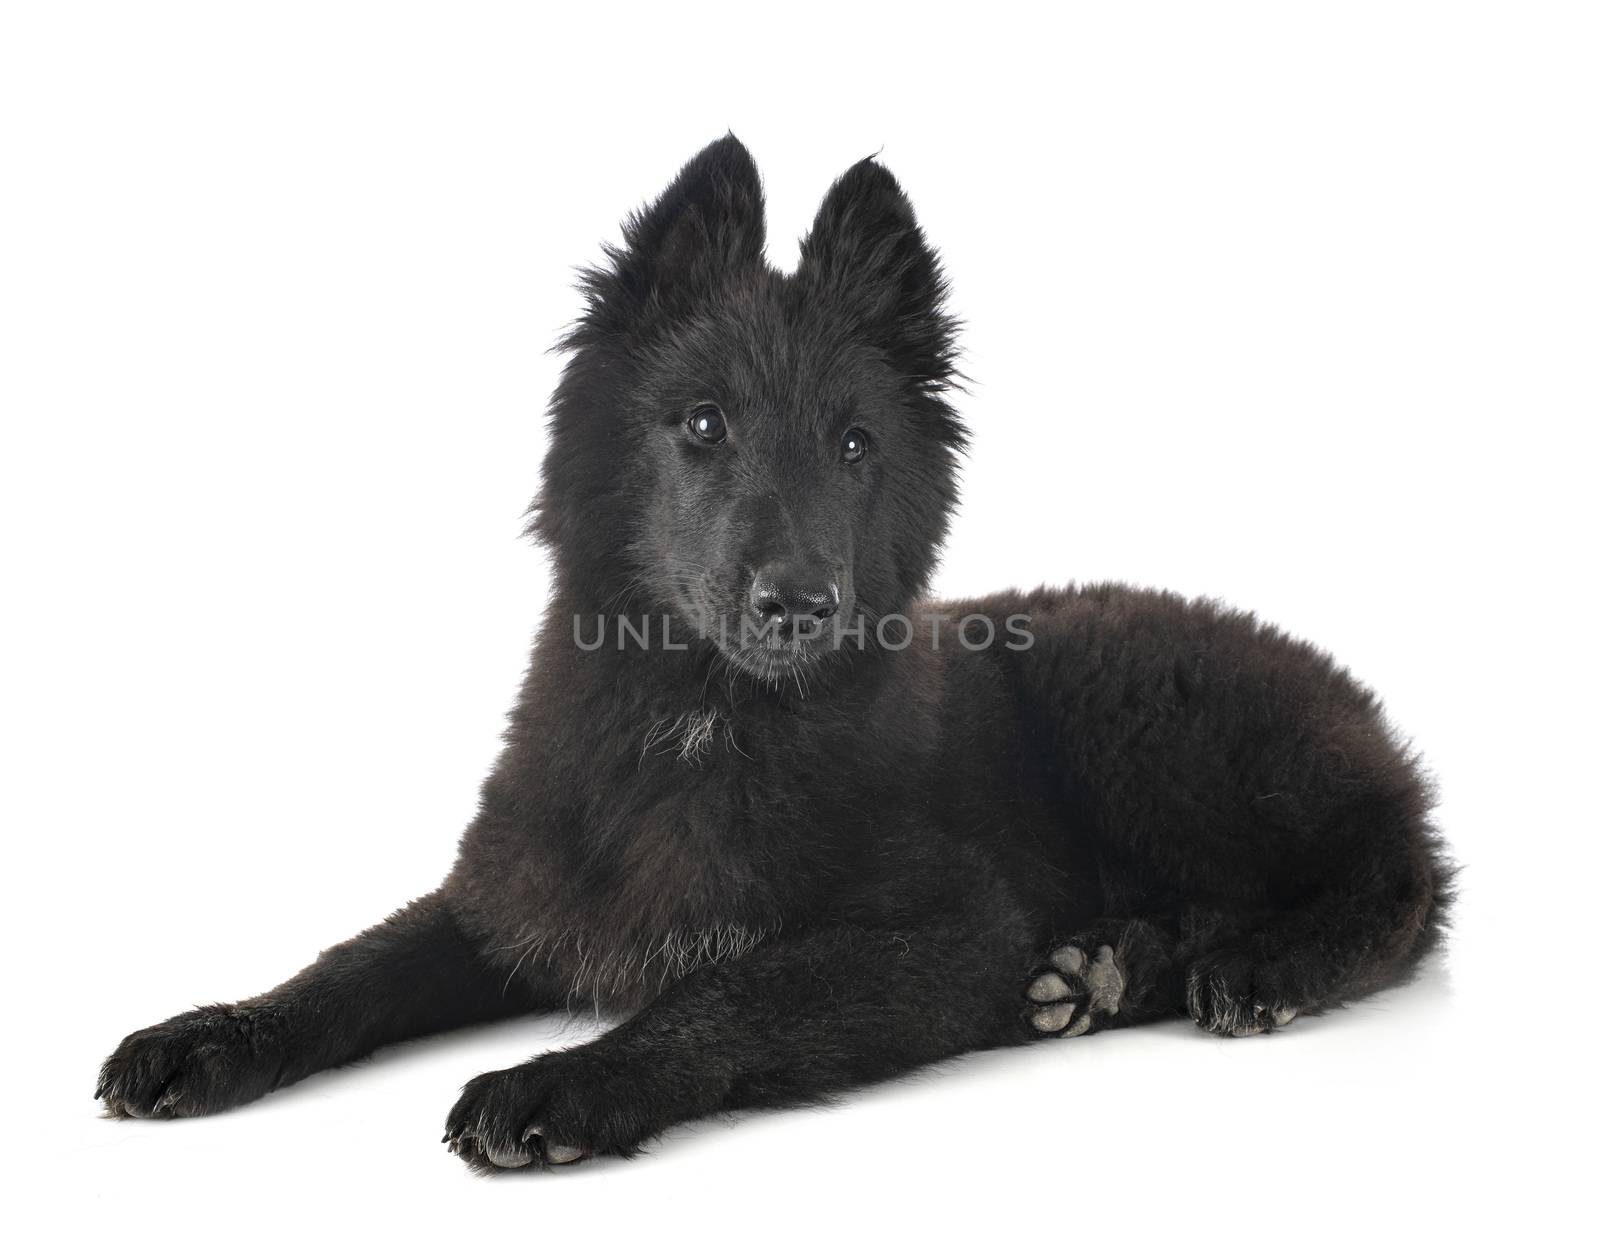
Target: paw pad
point(1076, 993)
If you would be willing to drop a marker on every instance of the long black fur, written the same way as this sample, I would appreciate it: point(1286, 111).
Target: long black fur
point(798, 868)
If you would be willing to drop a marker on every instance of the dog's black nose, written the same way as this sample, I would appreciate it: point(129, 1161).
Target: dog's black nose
point(783, 592)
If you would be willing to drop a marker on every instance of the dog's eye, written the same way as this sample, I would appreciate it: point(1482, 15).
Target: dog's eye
point(854, 445)
point(708, 424)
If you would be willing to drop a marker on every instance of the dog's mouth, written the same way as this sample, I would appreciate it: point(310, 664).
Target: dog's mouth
point(777, 660)
point(773, 651)
point(771, 647)
point(790, 643)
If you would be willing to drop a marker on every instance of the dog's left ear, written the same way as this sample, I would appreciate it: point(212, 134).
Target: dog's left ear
point(866, 250)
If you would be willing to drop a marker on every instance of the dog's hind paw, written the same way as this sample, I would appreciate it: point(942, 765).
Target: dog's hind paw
point(1232, 996)
point(1077, 991)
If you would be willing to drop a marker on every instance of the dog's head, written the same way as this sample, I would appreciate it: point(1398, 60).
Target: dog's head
point(761, 455)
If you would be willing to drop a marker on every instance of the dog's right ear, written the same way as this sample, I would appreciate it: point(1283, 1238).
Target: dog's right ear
point(709, 223)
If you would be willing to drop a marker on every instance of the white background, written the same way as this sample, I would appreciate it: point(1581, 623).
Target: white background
point(1292, 305)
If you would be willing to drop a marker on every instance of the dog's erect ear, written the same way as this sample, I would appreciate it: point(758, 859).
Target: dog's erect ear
point(709, 223)
point(866, 250)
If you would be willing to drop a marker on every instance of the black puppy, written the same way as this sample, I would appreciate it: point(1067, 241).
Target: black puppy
point(804, 829)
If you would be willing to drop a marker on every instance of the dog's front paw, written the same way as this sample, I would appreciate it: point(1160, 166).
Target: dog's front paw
point(194, 1064)
point(553, 1110)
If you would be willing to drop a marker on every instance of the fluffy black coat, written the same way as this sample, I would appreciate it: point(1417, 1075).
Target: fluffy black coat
point(802, 863)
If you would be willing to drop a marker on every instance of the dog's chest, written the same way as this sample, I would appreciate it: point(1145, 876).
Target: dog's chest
point(611, 866)
point(616, 971)
point(673, 862)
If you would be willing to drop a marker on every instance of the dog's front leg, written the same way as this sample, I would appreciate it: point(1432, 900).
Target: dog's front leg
point(791, 1021)
point(415, 973)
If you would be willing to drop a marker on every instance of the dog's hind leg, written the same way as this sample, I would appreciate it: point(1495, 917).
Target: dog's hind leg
point(1363, 931)
point(1249, 978)
point(1240, 970)
point(1112, 974)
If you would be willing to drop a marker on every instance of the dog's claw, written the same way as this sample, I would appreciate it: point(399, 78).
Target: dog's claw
point(553, 1153)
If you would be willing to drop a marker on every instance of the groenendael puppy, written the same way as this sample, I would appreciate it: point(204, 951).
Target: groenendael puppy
point(754, 799)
